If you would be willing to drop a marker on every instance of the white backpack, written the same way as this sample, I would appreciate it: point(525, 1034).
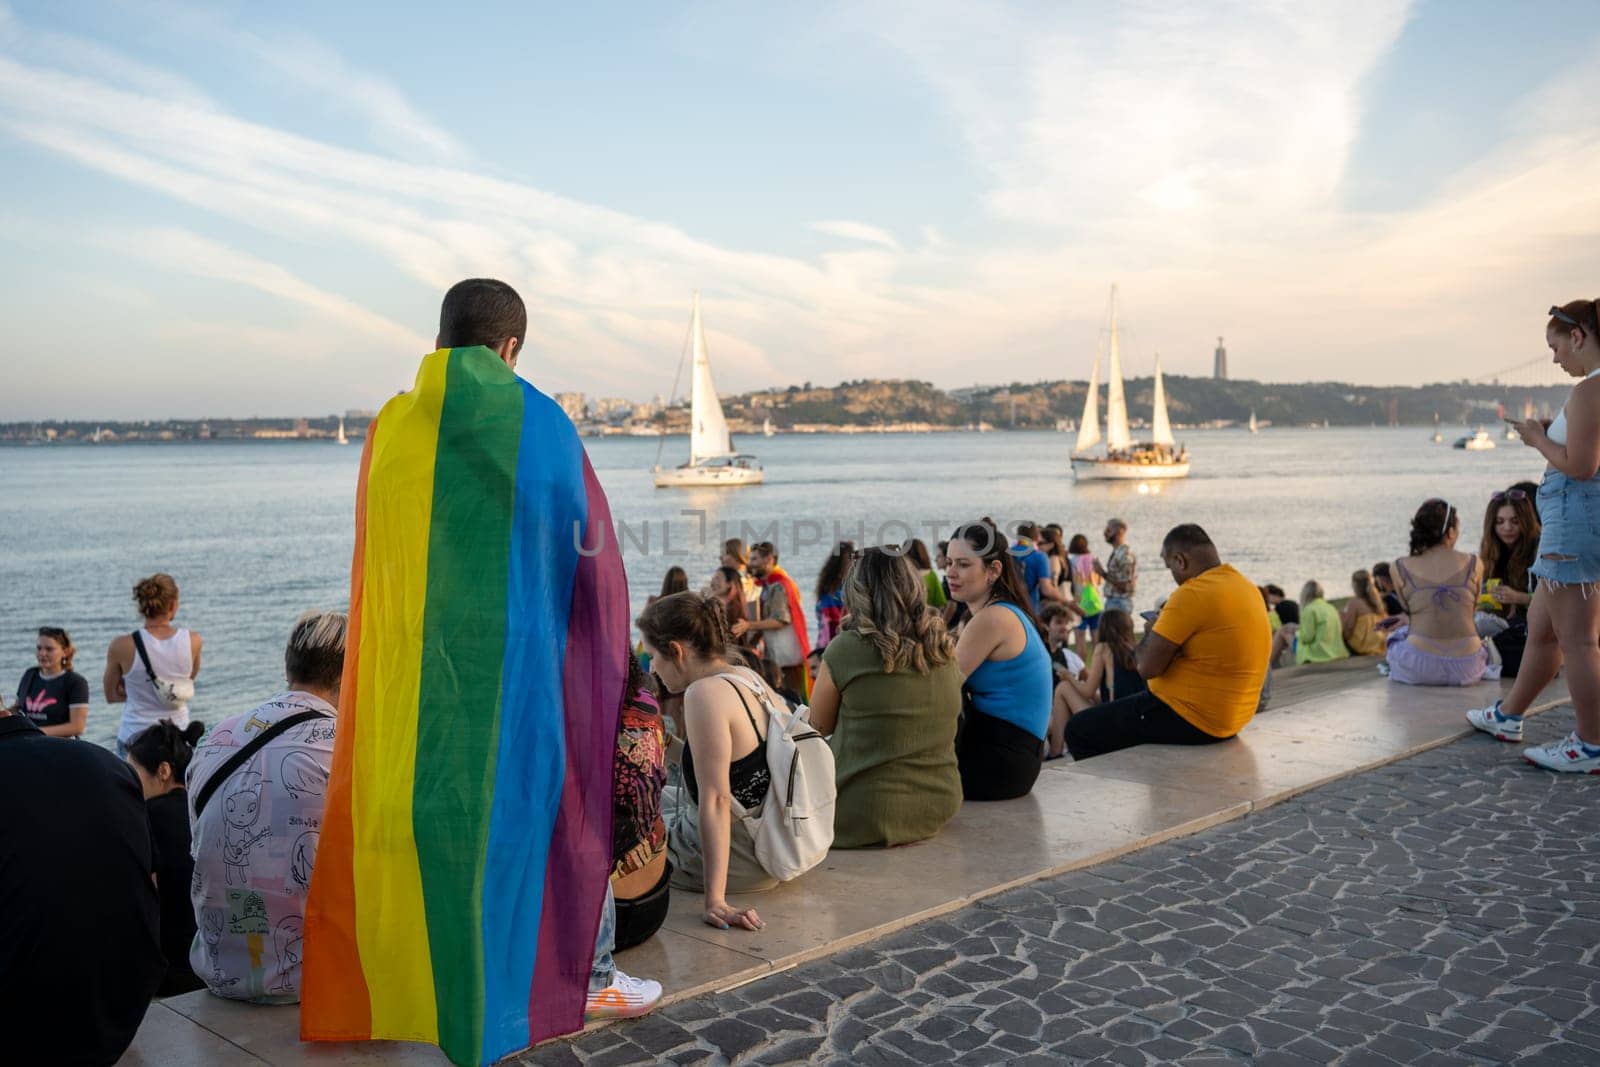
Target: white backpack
point(794, 829)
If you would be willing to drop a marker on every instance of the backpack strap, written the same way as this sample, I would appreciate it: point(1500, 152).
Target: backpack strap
point(739, 689)
point(249, 749)
point(144, 657)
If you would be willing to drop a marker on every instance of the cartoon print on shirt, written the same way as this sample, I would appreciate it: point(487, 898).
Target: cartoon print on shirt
point(302, 775)
point(303, 857)
point(289, 938)
point(316, 732)
point(241, 811)
point(211, 921)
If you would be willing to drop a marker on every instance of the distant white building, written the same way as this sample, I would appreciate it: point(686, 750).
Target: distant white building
point(573, 404)
point(609, 406)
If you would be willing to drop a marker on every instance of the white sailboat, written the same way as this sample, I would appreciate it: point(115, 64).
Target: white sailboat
point(1125, 459)
point(1254, 427)
point(1438, 436)
point(341, 439)
point(766, 427)
point(712, 460)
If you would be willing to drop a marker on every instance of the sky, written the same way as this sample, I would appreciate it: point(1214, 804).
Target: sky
point(253, 209)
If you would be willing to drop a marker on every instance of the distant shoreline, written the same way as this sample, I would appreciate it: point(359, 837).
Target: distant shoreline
point(356, 439)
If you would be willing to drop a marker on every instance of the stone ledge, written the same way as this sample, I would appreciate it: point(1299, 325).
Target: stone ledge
point(1078, 815)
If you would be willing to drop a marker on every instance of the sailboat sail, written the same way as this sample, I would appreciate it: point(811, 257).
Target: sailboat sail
point(1089, 428)
point(1160, 427)
point(708, 435)
point(1253, 425)
point(1117, 437)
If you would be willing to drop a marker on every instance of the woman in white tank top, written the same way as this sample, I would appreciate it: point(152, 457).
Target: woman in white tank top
point(174, 652)
point(1564, 617)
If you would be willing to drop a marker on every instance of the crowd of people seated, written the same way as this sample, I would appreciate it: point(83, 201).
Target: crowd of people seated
point(186, 862)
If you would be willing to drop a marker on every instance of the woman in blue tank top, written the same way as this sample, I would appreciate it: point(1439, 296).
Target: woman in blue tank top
point(1001, 652)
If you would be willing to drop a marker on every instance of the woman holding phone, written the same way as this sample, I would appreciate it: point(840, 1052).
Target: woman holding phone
point(1564, 615)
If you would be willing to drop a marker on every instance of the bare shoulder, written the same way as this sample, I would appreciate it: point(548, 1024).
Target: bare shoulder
point(121, 646)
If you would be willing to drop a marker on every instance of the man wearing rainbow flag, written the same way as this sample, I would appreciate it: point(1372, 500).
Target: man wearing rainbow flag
point(461, 878)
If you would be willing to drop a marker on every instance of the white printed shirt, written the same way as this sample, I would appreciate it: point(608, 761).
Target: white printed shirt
point(254, 847)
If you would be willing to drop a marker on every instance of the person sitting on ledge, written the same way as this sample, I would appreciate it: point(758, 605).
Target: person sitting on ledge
point(889, 693)
point(80, 948)
point(724, 756)
point(1361, 616)
point(1286, 634)
point(256, 827)
point(1205, 658)
point(1436, 642)
point(1321, 636)
point(1112, 674)
point(1000, 747)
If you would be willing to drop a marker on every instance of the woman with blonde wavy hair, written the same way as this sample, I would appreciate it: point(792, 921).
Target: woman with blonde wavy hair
point(889, 693)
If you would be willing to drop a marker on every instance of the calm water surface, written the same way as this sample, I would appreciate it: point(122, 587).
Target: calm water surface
point(257, 532)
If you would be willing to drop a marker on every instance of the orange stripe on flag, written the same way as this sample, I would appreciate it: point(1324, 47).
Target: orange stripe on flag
point(334, 1003)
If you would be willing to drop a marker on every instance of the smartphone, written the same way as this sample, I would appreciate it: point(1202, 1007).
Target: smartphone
point(1390, 623)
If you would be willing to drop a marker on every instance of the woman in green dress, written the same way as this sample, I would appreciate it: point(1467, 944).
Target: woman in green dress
point(889, 693)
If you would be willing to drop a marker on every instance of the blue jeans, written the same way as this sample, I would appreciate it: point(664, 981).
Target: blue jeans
point(1120, 603)
point(604, 968)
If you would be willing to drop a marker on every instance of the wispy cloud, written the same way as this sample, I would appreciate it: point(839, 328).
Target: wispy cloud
point(858, 231)
point(1195, 154)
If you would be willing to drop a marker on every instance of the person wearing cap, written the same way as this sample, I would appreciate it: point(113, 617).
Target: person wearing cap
point(1204, 657)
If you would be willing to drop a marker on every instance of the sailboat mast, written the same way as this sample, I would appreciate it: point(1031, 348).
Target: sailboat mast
point(1117, 437)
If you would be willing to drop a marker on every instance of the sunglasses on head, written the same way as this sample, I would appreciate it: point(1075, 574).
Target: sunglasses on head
point(1571, 320)
point(1509, 494)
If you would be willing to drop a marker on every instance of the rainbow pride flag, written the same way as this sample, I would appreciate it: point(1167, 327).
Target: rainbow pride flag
point(467, 838)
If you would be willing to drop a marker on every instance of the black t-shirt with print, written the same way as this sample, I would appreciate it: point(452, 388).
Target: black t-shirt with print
point(48, 701)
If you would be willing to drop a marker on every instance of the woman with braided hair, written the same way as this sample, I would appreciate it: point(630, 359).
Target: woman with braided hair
point(889, 693)
point(1435, 641)
point(693, 653)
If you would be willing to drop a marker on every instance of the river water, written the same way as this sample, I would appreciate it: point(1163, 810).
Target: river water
point(255, 533)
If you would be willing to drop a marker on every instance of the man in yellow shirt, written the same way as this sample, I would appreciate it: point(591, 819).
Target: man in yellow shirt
point(1205, 658)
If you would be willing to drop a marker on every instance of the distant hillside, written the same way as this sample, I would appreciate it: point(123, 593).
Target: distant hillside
point(1190, 401)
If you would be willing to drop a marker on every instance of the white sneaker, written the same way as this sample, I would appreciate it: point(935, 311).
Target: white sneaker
point(624, 998)
point(1569, 754)
point(1498, 726)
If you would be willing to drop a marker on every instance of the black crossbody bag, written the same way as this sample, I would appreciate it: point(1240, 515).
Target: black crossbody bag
point(251, 747)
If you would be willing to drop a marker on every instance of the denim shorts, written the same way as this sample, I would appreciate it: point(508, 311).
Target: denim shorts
point(1569, 514)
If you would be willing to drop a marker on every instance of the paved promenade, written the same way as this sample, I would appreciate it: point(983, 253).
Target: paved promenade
point(1440, 910)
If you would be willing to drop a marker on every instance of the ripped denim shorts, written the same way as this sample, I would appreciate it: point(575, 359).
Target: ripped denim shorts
point(1569, 543)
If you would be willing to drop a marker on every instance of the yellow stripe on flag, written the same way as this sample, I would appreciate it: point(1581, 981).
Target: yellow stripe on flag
point(391, 925)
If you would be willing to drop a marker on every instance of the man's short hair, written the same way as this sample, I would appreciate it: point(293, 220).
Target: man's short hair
point(315, 653)
point(1186, 538)
point(1053, 611)
point(1028, 530)
point(482, 311)
point(765, 548)
point(1116, 524)
point(1275, 590)
point(1380, 570)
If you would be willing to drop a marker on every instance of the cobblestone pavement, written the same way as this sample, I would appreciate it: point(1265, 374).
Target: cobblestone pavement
point(1441, 910)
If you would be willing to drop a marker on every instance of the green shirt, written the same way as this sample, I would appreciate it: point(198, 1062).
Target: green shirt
point(1321, 634)
point(936, 597)
point(894, 747)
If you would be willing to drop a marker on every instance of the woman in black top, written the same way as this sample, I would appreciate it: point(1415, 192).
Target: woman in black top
point(160, 756)
point(52, 695)
point(724, 757)
point(1110, 675)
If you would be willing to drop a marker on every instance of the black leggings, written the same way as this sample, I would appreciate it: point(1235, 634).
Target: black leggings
point(1140, 719)
point(998, 761)
point(639, 919)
